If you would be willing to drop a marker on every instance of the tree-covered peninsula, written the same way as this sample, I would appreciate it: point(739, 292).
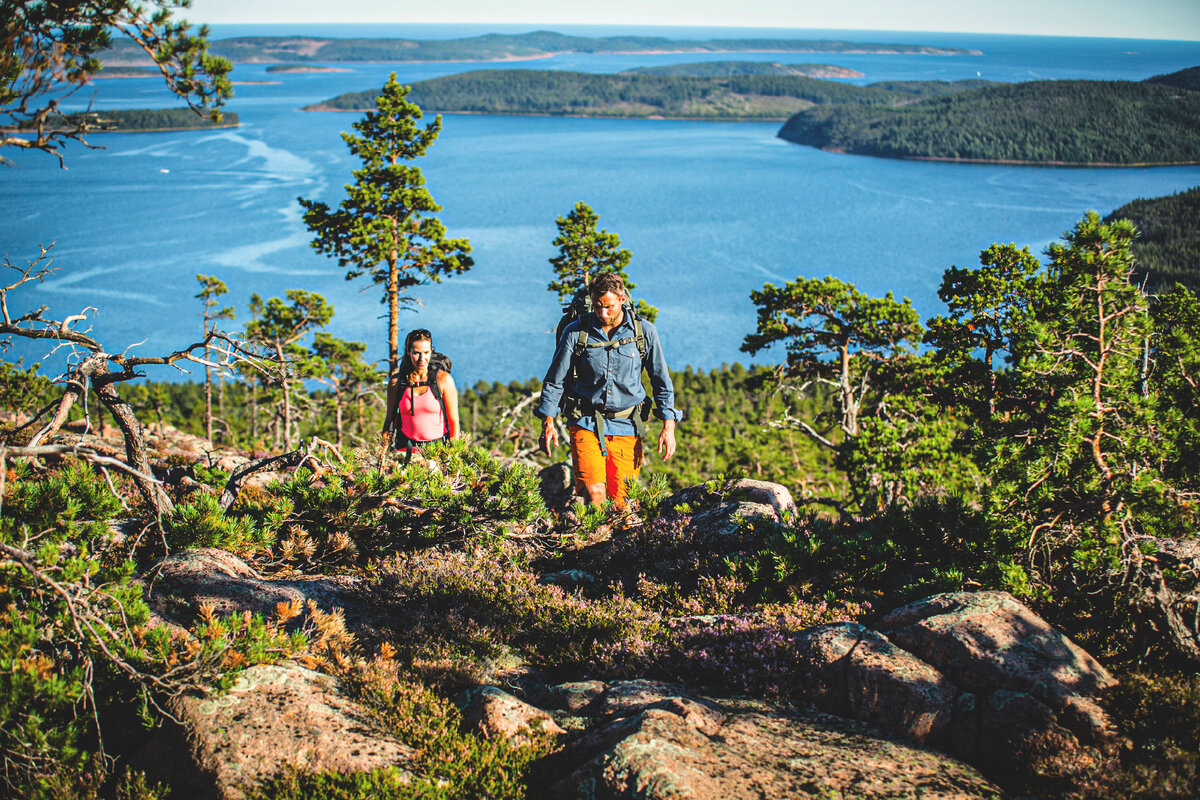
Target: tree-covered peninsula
point(633, 94)
point(132, 120)
point(716, 69)
point(503, 47)
point(1114, 123)
point(1168, 243)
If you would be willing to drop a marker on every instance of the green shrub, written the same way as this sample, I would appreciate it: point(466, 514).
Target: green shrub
point(939, 544)
point(1160, 715)
point(203, 523)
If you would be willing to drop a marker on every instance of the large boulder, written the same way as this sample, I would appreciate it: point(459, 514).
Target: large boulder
point(183, 581)
point(1027, 692)
point(649, 746)
point(273, 718)
point(858, 673)
point(495, 714)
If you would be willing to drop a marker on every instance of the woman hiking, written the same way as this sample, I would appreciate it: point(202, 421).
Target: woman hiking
point(422, 400)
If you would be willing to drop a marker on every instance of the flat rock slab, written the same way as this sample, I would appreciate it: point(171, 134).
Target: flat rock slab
point(276, 717)
point(683, 748)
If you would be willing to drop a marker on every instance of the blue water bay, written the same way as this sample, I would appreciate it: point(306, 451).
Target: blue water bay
point(711, 211)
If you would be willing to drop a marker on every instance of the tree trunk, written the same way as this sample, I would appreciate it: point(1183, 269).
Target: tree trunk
point(208, 415)
point(337, 401)
point(393, 291)
point(287, 401)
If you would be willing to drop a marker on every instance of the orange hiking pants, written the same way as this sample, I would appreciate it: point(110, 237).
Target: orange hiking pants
point(591, 467)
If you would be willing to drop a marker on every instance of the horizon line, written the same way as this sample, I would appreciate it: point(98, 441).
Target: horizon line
point(546, 26)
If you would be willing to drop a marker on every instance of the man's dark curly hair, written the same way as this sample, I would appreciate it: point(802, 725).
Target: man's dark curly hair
point(607, 282)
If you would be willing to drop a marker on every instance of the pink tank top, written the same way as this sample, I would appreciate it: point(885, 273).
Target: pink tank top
point(421, 416)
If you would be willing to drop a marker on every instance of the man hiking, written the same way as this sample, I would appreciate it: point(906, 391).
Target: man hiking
point(595, 383)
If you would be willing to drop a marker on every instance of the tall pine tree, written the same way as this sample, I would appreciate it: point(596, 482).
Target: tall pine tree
point(384, 229)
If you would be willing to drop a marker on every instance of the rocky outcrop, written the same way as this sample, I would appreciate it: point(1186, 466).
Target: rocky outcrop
point(655, 741)
point(494, 713)
point(181, 582)
point(976, 675)
point(857, 673)
point(556, 486)
point(1026, 692)
point(274, 717)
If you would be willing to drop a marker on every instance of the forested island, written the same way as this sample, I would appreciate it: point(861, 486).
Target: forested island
point(132, 120)
point(1085, 123)
point(290, 68)
point(1168, 243)
point(715, 69)
point(502, 47)
point(723, 96)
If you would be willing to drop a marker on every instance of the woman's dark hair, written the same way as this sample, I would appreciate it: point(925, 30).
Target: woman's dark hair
point(407, 369)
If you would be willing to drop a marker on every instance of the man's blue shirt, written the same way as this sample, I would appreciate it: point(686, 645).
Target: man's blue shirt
point(608, 378)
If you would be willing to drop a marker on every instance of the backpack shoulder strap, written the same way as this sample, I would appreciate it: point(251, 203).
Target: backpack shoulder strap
point(639, 336)
point(434, 373)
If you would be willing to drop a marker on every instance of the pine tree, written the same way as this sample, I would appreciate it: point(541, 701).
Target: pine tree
point(584, 252)
point(384, 228)
point(211, 289)
point(279, 326)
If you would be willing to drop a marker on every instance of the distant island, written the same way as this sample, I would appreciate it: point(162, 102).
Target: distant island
point(143, 120)
point(500, 47)
point(289, 68)
point(1168, 245)
point(716, 69)
point(1068, 123)
point(127, 72)
point(764, 97)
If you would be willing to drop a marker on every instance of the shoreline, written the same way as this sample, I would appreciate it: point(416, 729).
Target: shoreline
point(931, 51)
point(1007, 162)
point(657, 117)
point(96, 131)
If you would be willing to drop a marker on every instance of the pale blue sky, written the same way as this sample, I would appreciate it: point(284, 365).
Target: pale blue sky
point(1148, 19)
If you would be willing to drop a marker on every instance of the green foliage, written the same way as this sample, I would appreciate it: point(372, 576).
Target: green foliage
point(203, 523)
point(76, 494)
point(74, 647)
point(1072, 457)
point(22, 389)
point(1062, 122)
point(385, 228)
point(1160, 716)
point(886, 436)
point(385, 783)
point(51, 51)
point(1176, 378)
point(511, 91)
point(1168, 243)
point(904, 553)
point(449, 493)
point(501, 47)
point(584, 253)
point(1183, 79)
point(143, 119)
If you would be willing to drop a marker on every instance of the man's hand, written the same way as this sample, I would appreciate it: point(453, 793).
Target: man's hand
point(549, 438)
point(666, 439)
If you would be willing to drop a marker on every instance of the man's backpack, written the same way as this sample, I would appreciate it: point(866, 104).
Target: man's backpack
point(579, 307)
point(572, 405)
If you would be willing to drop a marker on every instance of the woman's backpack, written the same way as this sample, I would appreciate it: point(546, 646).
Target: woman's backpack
point(438, 362)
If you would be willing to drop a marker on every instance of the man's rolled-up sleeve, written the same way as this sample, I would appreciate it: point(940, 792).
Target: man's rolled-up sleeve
point(556, 376)
point(660, 378)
